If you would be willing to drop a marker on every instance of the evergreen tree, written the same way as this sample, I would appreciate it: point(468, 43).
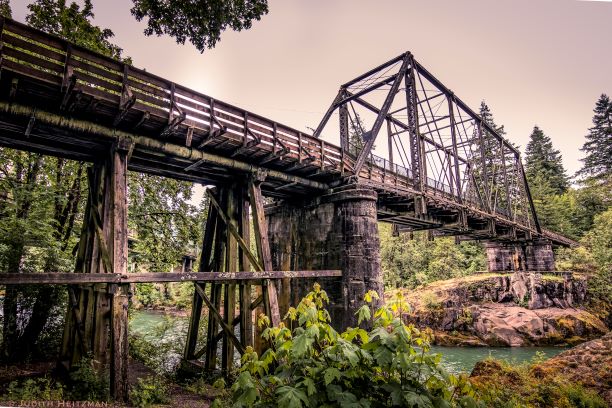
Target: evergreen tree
point(545, 161)
point(598, 144)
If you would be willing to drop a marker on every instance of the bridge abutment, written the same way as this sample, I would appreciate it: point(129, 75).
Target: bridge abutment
point(333, 231)
point(534, 255)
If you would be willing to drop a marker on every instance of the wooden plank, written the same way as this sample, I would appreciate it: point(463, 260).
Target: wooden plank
point(85, 65)
point(35, 35)
point(263, 248)
point(33, 59)
point(35, 48)
point(57, 278)
point(9, 65)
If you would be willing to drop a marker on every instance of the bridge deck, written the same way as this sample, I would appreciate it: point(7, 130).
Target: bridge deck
point(61, 99)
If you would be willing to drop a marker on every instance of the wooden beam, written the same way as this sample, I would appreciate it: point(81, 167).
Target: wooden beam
point(57, 278)
point(263, 248)
point(229, 330)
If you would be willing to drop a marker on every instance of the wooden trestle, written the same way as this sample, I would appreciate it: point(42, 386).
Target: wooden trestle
point(96, 323)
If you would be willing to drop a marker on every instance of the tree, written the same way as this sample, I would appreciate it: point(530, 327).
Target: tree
point(598, 145)
point(200, 22)
point(72, 23)
point(42, 200)
point(541, 159)
point(5, 9)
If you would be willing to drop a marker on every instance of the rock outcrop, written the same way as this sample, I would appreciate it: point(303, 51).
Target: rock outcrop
point(520, 309)
point(588, 364)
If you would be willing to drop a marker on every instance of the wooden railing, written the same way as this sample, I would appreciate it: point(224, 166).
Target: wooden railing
point(199, 117)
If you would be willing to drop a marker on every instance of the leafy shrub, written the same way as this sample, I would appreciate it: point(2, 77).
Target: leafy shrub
point(87, 384)
point(314, 366)
point(34, 389)
point(510, 385)
point(431, 301)
point(149, 391)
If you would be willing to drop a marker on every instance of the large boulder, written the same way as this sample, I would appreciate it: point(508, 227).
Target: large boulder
point(518, 309)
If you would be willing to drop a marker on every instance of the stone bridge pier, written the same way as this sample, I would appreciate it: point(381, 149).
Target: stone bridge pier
point(333, 231)
point(536, 255)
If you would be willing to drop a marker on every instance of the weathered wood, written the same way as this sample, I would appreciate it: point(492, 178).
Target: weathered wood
point(229, 290)
point(228, 329)
point(58, 278)
point(196, 305)
point(234, 231)
point(119, 344)
point(246, 315)
point(263, 247)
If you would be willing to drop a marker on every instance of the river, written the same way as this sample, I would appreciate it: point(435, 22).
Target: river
point(167, 329)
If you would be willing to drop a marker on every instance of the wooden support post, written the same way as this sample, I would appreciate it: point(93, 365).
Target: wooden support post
point(119, 343)
point(263, 247)
point(246, 319)
point(229, 290)
point(205, 265)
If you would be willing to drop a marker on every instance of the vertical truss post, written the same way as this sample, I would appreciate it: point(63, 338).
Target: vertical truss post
point(417, 152)
point(528, 192)
point(506, 182)
point(483, 166)
point(451, 113)
point(344, 127)
point(390, 145)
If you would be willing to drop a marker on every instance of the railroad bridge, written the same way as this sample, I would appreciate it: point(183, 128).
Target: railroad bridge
point(444, 170)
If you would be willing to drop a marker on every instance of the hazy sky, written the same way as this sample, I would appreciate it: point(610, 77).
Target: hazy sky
point(541, 62)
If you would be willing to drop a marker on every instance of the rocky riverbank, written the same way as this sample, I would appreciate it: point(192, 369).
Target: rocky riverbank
point(519, 309)
point(562, 381)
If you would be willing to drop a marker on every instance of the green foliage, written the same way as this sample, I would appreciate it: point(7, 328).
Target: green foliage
point(599, 242)
point(34, 389)
point(409, 263)
point(149, 391)
point(545, 162)
point(199, 22)
point(315, 366)
point(511, 385)
point(5, 9)
point(598, 144)
point(431, 301)
point(86, 383)
point(72, 23)
point(166, 225)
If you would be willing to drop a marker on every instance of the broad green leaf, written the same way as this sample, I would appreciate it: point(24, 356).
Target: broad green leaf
point(363, 314)
point(310, 386)
point(331, 374)
point(290, 397)
point(301, 345)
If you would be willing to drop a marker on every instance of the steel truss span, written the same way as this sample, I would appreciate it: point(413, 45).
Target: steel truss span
point(445, 169)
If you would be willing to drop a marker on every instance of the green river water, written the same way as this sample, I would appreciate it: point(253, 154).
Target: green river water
point(161, 328)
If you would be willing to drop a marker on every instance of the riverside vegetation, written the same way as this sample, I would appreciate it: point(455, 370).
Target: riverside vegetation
point(41, 208)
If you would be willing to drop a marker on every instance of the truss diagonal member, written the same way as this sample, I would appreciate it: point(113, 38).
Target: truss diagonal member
point(373, 133)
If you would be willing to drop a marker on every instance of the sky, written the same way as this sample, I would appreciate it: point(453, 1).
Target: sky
point(534, 62)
